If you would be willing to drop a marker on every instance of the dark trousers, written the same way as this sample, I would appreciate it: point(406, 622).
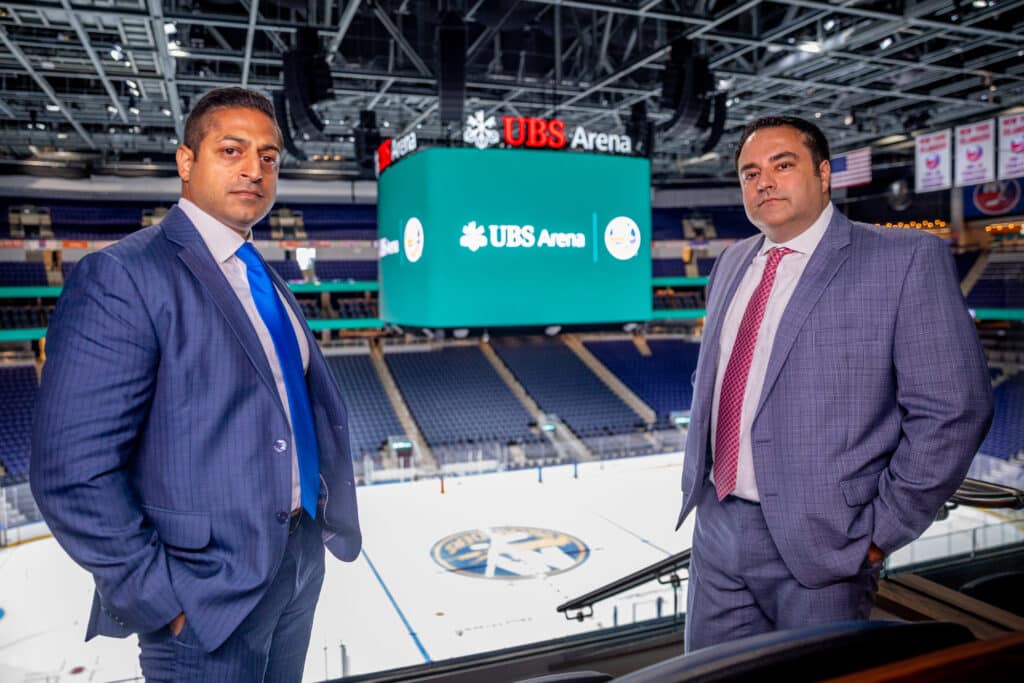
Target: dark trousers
point(740, 586)
point(269, 645)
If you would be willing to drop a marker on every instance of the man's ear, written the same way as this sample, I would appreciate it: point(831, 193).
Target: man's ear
point(825, 171)
point(184, 156)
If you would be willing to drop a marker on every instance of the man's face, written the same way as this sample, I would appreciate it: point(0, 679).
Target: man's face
point(233, 176)
point(783, 192)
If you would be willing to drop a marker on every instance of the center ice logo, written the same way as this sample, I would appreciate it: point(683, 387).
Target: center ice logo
point(510, 552)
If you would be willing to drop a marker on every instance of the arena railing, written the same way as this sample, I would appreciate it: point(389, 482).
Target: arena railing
point(672, 571)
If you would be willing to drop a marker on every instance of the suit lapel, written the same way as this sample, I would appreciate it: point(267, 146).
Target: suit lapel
point(824, 264)
point(197, 258)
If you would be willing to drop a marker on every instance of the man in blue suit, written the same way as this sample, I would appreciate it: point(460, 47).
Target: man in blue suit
point(190, 448)
point(839, 398)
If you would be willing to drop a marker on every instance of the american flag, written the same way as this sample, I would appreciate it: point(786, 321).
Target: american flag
point(852, 169)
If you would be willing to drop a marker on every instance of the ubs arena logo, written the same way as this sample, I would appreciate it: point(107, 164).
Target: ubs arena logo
point(412, 239)
point(510, 552)
point(476, 236)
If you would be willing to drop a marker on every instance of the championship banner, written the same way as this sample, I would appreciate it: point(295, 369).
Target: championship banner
point(932, 162)
point(1011, 146)
point(975, 153)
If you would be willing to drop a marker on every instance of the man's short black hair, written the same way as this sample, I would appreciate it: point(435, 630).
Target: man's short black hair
point(223, 98)
point(814, 139)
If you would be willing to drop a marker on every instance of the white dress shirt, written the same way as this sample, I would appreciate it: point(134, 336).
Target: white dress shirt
point(790, 268)
point(223, 242)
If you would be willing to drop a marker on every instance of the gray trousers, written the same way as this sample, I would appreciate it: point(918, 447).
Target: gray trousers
point(739, 585)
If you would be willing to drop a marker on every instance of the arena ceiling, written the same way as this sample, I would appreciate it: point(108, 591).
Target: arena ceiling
point(108, 81)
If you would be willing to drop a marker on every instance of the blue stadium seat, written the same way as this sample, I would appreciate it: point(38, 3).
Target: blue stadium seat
point(563, 385)
point(1006, 436)
point(371, 418)
point(459, 401)
point(346, 270)
point(661, 380)
point(22, 274)
point(18, 388)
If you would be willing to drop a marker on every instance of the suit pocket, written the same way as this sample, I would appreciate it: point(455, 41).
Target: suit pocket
point(830, 336)
point(187, 530)
point(861, 490)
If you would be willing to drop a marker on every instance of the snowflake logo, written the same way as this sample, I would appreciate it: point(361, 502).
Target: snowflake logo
point(480, 131)
point(473, 237)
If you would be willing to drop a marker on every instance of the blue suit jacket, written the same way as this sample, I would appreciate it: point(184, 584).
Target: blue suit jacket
point(875, 400)
point(158, 454)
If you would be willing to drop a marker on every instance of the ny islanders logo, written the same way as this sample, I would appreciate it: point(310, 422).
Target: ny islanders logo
point(412, 240)
point(622, 238)
point(510, 552)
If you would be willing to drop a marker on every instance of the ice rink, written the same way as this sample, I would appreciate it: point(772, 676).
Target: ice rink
point(397, 606)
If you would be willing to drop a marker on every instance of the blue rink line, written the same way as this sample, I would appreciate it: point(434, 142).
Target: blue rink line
point(394, 603)
point(636, 535)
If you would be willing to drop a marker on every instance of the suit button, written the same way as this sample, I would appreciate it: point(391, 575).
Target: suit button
point(282, 517)
point(280, 445)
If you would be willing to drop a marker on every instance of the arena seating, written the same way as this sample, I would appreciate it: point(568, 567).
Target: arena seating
point(668, 267)
point(964, 262)
point(459, 401)
point(1006, 436)
point(18, 388)
point(563, 385)
point(20, 317)
point(22, 274)
point(1000, 286)
point(95, 222)
point(356, 307)
point(705, 264)
point(661, 380)
point(288, 270)
point(371, 418)
point(346, 270)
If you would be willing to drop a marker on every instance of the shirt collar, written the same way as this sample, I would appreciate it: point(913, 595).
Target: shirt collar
point(807, 241)
point(221, 240)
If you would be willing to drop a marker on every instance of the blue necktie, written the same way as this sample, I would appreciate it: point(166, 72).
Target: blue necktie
point(270, 308)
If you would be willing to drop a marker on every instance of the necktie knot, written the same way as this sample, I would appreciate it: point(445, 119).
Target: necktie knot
point(249, 256)
point(775, 255)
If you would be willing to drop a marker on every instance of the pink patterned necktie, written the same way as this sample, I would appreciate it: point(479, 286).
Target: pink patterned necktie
point(734, 382)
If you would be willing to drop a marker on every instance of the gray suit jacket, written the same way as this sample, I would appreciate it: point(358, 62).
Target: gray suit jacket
point(875, 401)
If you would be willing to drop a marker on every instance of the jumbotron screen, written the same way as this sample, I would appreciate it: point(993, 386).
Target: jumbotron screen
point(479, 238)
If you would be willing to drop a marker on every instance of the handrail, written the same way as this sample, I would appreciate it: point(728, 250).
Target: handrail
point(984, 494)
point(665, 571)
point(972, 492)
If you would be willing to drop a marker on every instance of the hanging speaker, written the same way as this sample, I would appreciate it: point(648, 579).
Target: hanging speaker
point(281, 114)
point(307, 80)
point(451, 73)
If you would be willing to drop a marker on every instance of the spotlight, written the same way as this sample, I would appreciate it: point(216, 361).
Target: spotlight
point(849, 119)
point(116, 53)
point(885, 44)
point(53, 107)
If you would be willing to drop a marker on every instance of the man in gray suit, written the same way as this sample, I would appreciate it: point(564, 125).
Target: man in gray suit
point(840, 396)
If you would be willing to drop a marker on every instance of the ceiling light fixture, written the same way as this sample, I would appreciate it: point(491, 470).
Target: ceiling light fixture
point(53, 107)
point(810, 46)
point(885, 44)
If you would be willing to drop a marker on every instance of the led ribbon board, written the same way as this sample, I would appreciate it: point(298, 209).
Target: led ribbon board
point(473, 238)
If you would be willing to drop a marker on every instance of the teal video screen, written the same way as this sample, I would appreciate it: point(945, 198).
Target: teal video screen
point(495, 237)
